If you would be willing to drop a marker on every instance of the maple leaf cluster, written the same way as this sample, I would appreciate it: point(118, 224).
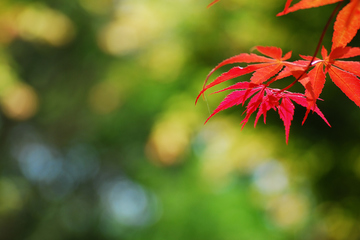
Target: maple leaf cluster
point(310, 71)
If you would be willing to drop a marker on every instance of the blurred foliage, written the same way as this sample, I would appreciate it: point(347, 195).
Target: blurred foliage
point(100, 138)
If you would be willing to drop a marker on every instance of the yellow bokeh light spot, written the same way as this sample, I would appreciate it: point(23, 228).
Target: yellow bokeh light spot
point(104, 98)
point(7, 76)
point(171, 135)
point(165, 61)
point(11, 197)
point(136, 24)
point(40, 23)
point(118, 39)
point(8, 27)
point(168, 142)
point(19, 102)
point(289, 210)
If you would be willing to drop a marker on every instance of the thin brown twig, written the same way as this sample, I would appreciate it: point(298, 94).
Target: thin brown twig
point(317, 47)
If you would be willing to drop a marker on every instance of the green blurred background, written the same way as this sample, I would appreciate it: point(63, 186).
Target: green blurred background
point(100, 137)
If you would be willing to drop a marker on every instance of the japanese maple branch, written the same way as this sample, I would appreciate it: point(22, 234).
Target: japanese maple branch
point(317, 47)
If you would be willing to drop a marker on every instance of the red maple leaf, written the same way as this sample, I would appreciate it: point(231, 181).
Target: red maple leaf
point(347, 21)
point(264, 99)
point(343, 73)
point(347, 24)
point(304, 4)
point(266, 68)
point(310, 72)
